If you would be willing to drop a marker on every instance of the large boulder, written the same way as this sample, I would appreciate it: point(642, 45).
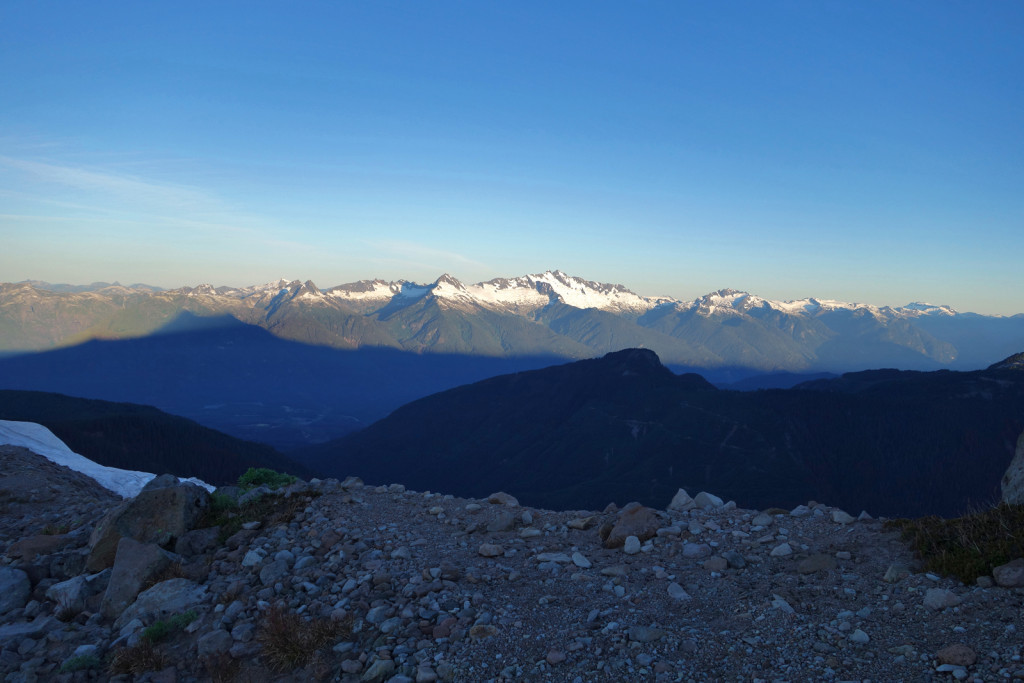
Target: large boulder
point(1010, 575)
point(135, 565)
point(634, 520)
point(1013, 480)
point(157, 515)
point(72, 595)
point(163, 600)
point(14, 589)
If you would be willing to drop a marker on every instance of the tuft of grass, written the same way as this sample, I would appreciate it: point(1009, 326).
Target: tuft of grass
point(969, 546)
point(80, 663)
point(137, 660)
point(291, 642)
point(163, 628)
point(55, 529)
point(264, 476)
point(222, 668)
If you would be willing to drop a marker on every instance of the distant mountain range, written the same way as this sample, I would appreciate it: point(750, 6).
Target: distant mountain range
point(547, 314)
point(623, 427)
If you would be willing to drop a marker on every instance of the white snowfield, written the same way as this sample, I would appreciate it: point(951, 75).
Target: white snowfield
point(41, 441)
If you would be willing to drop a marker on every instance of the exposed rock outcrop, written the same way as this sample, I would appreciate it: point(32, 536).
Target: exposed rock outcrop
point(1013, 481)
point(160, 514)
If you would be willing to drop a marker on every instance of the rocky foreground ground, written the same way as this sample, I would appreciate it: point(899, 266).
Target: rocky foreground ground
point(341, 581)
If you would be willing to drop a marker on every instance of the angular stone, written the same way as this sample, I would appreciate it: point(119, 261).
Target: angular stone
point(763, 519)
point(735, 559)
point(800, 511)
point(631, 546)
point(696, 551)
point(71, 595)
point(781, 550)
point(502, 498)
point(273, 572)
point(859, 636)
point(553, 557)
point(377, 615)
point(707, 501)
point(1010, 575)
point(842, 517)
point(504, 520)
point(682, 501)
point(251, 559)
point(580, 560)
point(940, 598)
point(379, 671)
point(214, 643)
point(896, 573)
point(15, 588)
point(781, 604)
point(676, 592)
point(582, 523)
point(135, 565)
point(490, 550)
point(634, 520)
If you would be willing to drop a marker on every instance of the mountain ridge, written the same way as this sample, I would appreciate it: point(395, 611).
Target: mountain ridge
point(545, 313)
point(623, 427)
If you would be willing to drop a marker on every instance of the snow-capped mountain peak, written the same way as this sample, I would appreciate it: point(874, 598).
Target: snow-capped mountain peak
point(555, 286)
point(919, 308)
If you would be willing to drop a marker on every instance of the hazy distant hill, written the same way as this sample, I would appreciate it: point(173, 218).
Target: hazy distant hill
point(548, 314)
point(137, 437)
point(624, 428)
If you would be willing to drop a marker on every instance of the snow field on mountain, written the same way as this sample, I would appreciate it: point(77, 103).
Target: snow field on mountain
point(39, 439)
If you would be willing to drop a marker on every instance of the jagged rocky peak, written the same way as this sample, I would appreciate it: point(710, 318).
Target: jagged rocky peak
point(448, 287)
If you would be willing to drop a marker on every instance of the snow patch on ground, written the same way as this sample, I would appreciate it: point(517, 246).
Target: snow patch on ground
point(42, 441)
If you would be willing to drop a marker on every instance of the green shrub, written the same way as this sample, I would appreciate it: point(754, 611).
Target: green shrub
point(969, 546)
point(80, 663)
point(222, 502)
point(264, 476)
point(161, 629)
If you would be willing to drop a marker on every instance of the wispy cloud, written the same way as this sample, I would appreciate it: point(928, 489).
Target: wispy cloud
point(423, 255)
point(124, 187)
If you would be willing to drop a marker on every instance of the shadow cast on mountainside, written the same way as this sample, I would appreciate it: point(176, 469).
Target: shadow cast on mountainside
point(243, 380)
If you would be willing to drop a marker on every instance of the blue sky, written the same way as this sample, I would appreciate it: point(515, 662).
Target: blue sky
point(864, 151)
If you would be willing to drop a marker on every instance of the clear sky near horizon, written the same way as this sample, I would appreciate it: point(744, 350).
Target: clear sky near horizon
point(862, 151)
